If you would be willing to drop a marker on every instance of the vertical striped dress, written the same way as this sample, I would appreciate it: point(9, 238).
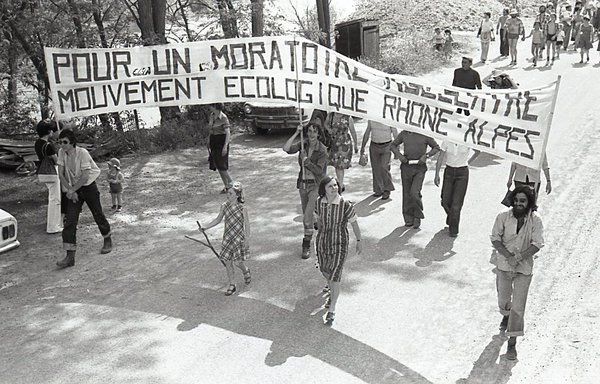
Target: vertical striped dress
point(332, 237)
point(233, 245)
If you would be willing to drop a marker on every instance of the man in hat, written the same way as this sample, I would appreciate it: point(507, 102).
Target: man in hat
point(514, 28)
point(517, 236)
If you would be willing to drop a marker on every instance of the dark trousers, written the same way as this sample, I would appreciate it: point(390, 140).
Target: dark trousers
point(503, 42)
point(454, 190)
point(90, 195)
point(567, 31)
point(412, 182)
point(381, 155)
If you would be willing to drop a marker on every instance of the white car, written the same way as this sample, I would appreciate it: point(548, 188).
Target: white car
point(8, 228)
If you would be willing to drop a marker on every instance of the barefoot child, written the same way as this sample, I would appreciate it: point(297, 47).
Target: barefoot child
point(560, 40)
point(236, 235)
point(537, 42)
point(115, 182)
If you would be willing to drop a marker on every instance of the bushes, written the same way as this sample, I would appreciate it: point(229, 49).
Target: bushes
point(409, 53)
point(16, 119)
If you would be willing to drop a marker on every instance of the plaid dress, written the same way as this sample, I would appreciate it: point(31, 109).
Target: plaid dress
point(233, 247)
point(332, 237)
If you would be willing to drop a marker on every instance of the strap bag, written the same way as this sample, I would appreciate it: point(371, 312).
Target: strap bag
point(46, 172)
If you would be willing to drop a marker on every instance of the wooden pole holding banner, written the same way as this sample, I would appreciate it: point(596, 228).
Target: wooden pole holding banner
point(554, 98)
point(303, 170)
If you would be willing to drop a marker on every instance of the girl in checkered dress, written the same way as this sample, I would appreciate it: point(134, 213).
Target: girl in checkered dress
point(236, 236)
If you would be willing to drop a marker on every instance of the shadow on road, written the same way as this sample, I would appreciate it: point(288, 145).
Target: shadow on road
point(486, 370)
point(438, 249)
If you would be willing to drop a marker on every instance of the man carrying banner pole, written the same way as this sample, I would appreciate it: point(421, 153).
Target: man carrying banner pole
point(312, 158)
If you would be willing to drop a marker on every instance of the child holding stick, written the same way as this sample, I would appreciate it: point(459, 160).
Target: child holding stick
point(236, 235)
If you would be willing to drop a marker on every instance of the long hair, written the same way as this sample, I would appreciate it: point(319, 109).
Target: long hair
point(529, 192)
point(326, 181)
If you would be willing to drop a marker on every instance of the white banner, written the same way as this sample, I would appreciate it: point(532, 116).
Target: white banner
point(512, 124)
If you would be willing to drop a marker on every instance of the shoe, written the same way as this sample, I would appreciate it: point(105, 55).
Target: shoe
point(377, 194)
point(385, 195)
point(417, 223)
point(535, 64)
point(587, 60)
point(113, 207)
point(511, 351)
point(504, 323)
point(329, 319)
point(581, 62)
point(118, 208)
point(247, 277)
point(453, 234)
point(326, 289)
point(224, 191)
point(306, 248)
point(68, 261)
point(231, 290)
point(107, 247)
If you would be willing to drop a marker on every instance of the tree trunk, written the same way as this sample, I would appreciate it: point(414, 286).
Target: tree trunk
point(13, 58)
point(324, 23)
point(151, 20)
point(258, 24)
point(227, 18)
point(102, 32)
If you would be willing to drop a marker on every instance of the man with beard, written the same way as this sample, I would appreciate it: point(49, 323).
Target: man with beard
point(517, 235)
point(312, 158)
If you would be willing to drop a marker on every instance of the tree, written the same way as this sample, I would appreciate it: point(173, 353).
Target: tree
point(228, 18)
point(258, 22)
point(150, 18)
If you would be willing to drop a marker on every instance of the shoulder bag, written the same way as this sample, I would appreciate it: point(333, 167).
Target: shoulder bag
point(46, 172)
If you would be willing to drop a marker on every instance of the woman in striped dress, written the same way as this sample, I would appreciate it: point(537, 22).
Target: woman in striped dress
point(236, 236)
point(333, 214)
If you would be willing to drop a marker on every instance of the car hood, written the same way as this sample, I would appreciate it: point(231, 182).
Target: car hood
point(5, 215)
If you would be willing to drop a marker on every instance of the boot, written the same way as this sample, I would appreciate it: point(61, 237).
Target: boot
point(107, 247)
point(306, 248)
point(68, 261)
point(511, 351)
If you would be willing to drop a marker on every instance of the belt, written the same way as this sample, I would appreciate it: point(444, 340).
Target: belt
point(387, 142)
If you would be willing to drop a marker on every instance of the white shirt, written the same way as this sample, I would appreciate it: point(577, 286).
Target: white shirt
point(523, 173)
point(456, 155)
point(74, 164)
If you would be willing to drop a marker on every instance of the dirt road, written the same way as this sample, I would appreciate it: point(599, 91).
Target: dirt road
point(416, 307)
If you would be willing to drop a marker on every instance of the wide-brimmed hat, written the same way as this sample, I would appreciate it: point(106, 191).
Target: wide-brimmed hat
point(115, 163)
point(513, 12)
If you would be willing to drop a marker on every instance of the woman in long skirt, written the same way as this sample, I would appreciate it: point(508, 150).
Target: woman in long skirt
point(333, 215)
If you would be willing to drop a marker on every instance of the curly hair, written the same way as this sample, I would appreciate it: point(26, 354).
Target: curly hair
point(529, 192)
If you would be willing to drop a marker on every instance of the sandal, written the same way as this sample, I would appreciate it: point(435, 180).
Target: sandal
point(231, 290)
point(329, 318)
point(247, 277)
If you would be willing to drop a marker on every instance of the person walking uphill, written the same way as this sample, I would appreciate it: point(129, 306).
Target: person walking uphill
point(78, 173)
point(466, 77)
point(380, 154)
point(333, 215)
point(218, 144)
point(456, 179)
point(312, 158)
point(412, 171)
point(517, 235)
point(45, 150)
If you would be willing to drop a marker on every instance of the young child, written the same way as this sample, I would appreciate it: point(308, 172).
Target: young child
point(115, 182)
point(236, 235)
point(537, 41)
point(551, 35)
point(448, 43)
point(586, 38)
point(560, 38)
point(438, 40)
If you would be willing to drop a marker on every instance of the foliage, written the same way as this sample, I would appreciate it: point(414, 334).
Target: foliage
point(16, 119)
